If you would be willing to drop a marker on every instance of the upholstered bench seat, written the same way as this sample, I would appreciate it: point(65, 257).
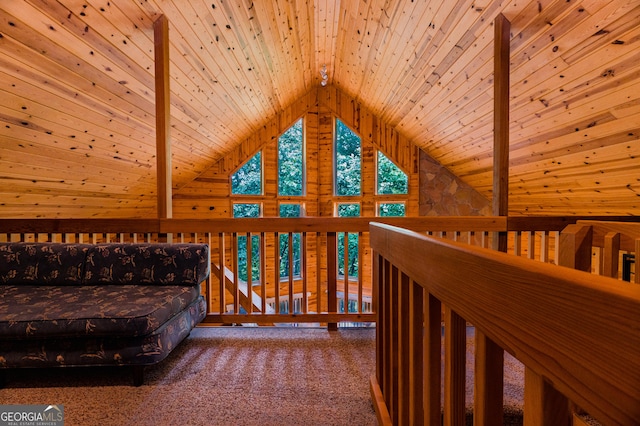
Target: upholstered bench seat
point(93, 310)
point(66, 304)
point(106, 350)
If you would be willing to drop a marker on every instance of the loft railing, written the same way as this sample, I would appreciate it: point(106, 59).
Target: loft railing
point(606, 248)
point(575, 332)
point(317, 290)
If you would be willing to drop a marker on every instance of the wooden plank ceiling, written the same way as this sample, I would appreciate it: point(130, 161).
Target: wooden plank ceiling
point(77, 92)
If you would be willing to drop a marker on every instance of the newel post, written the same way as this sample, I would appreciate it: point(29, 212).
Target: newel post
point(489, 358)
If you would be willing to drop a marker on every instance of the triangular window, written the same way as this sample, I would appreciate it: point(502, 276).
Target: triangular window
point(391, 180)
point(248, 179)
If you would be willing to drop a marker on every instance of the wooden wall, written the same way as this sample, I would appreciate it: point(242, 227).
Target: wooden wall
point(209, 195)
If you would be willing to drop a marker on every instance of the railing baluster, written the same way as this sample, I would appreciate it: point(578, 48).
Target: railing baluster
point(332, 275)
point(416, 353)
point(611, 254)
point(531, 245)
point(235, 263)
point(391, 273)
point(249, 248)
point(318, 274)
point(208, 282)
point(488, 382)
point(360, 271)
point(404, 373)
point(544, 406)
point(544, 246)
point(278, 260)
point(517, 243)
point(432, 345)
point(221, 272)
point(345, 269)
point(455, 344)
point(303, 272)
point(263, 272)
point(290, 260)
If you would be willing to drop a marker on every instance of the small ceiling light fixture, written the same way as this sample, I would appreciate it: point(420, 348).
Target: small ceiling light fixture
point(324, 75)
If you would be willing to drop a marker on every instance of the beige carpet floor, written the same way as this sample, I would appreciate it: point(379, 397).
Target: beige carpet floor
point(235, 376)
point(221, 376)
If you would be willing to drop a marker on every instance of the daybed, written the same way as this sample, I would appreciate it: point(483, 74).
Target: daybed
point(64, 304)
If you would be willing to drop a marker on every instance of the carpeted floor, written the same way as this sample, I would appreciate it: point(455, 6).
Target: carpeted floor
point(221, 376)
point(236, 376)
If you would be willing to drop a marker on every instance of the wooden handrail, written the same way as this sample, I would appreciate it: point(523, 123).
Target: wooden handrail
point(255, 225)
point(577, 332)
point(304, 224)
point(558, 223)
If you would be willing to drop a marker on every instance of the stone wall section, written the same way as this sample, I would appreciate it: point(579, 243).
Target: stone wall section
point(444, 194)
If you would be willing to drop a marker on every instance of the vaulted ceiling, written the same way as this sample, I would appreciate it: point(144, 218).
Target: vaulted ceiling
point(77, 92)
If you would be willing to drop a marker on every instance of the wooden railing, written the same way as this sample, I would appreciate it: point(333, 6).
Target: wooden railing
point(576, 333)
point(606, 248)
point(317, 292)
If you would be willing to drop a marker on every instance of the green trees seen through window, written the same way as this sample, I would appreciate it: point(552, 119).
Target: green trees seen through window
point(347, 161)
point(391, 209)
point(391, 180)
point(348, 210)
point(291, 161)
point(248, 179)
point(290, 244)
point(248, 210)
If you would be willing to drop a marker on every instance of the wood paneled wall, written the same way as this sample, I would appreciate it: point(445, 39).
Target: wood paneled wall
point(209, 195)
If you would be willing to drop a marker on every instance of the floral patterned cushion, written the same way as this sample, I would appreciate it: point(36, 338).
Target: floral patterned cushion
point(42, 263)
point(31, 312)
point(103, 350)
point(155, 264)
